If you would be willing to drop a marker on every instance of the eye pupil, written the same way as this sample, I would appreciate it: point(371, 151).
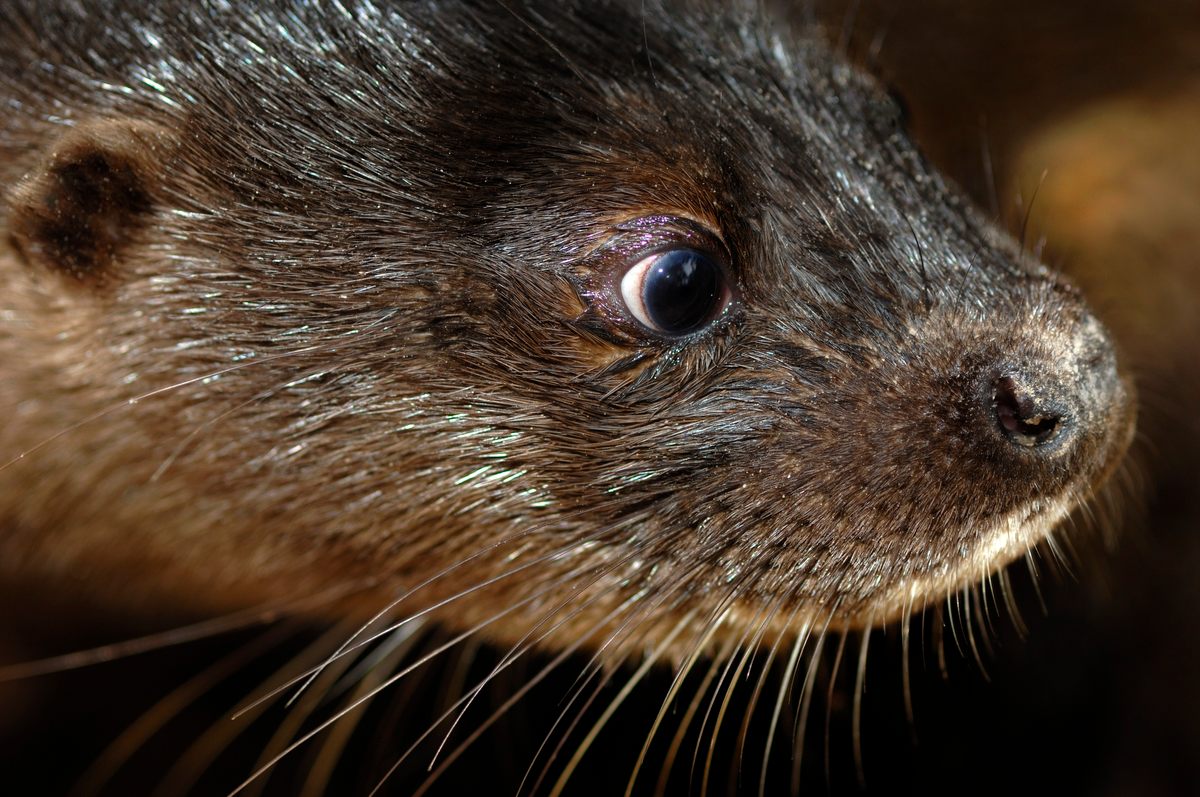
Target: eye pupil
point(681, 291)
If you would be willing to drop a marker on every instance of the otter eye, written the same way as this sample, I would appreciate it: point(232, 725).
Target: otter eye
point(674, 292)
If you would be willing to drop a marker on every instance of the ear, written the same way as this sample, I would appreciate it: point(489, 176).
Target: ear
point(91, 196)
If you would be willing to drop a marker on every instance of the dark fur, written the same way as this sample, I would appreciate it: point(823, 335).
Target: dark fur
point(413, 206)
point(355, 280)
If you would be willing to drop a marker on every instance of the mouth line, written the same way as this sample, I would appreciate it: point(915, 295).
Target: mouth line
point(1002, 540)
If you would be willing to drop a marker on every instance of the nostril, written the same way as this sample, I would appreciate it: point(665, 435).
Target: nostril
point(1020, 417)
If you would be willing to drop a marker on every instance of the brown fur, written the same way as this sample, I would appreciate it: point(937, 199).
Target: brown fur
point(334, 310)
point(292, 385)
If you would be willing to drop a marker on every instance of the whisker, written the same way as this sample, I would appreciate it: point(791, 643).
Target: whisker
point(523, 645)
point(730, 688)
point(764, 674)
point(299, 713)
point(349, 644)
point(634, 680)
point(320, 775)
point(834, 672)
point(953, 614)
point(671, 693)
point(1035, 577)
point(968, 593)
point(800, 729)
point(346, 647)
point(199, 756)
point(263, 614)
point(401, 639)
point(593, 667)
point(689, 715)
point(722, 683)
point(508, 704)
point(1029, 211)
point(906, 668)
point(1014, 613)
point(860, 688)
point(393, 679)
point(589, 673)
point(991, 609)
point(939, 639)
point(983, 616)
point(789, 673)
point(135, 736)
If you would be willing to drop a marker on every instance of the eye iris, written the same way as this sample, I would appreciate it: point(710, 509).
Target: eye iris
point(681, 291)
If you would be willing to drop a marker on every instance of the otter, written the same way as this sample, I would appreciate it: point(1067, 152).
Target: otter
point(640, 330)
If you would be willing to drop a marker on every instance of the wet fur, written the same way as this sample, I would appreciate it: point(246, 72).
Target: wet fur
point(349, 332)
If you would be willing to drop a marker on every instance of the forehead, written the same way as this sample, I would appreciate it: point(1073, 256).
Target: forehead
point(685, 80)
point(540, 128)
point(602, 107)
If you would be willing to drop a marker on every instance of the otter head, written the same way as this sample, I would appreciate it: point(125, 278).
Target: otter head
point(586, 325)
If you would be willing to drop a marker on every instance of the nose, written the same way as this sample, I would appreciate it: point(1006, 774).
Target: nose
point(1024, 418)
point(1046, 404)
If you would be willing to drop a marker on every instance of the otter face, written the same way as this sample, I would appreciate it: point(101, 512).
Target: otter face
point(586, 324)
